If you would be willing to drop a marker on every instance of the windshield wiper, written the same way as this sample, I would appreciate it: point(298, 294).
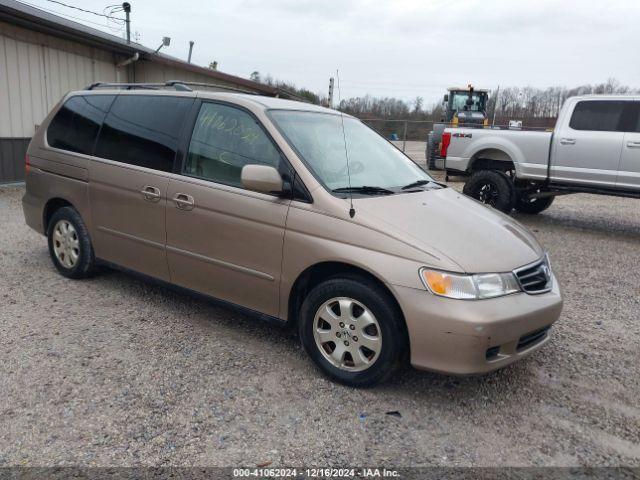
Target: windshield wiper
point(365, 189)
point(418, 183)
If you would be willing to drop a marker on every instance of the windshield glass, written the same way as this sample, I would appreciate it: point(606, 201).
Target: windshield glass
point(373, 162)
point(459, 102)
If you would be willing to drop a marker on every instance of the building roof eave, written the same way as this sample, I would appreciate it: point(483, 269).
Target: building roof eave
point(32, 18)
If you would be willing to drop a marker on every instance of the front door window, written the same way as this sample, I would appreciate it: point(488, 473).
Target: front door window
point(224, 140)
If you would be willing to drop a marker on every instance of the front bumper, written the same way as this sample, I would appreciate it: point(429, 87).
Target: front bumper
point(466, 337)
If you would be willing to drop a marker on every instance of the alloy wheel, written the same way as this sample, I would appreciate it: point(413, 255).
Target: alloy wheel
point(488, 194)
point(347, 334)
point(66, 244)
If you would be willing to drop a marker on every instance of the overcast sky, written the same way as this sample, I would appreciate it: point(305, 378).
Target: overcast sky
point(401, 48)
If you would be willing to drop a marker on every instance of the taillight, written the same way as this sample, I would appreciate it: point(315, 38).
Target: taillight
point(27, 165)
point(444, 145)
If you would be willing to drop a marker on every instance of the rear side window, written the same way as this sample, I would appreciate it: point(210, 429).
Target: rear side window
point(143, 130)
point(630, 121)
point(224, 140)
point(605, 116)
point(76, 125)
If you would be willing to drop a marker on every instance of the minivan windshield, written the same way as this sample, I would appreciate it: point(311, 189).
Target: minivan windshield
point(375, 166)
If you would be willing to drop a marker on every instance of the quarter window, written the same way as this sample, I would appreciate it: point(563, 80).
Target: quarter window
point(76, 125)
point(224, 140)
point(143, 130)
point(630, 120)
point(605, 116)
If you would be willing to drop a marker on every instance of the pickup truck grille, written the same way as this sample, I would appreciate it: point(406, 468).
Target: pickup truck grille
point(535, 278)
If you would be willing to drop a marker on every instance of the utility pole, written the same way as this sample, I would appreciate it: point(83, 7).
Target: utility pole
point(331, 92)
point(190, 50)
point(495, 106)
point(126, 6)
point(404, 137)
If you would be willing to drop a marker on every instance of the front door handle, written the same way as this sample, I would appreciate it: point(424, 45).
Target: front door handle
point(567, 141)
point(151, 194)
point(184, 201)
point(633, 144)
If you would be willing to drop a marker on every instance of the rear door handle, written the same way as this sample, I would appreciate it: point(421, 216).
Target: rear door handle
point(151, 194)
point(184, 201)
point(633, 144)
point(568, 141)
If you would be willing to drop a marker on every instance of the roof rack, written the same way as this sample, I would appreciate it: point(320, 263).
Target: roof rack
point(180, 86)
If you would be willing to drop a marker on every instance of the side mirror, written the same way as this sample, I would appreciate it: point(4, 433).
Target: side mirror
point(261, 178)
point(446, 98)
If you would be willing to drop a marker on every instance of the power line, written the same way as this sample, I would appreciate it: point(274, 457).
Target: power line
point(71, 16)
point(83, 10)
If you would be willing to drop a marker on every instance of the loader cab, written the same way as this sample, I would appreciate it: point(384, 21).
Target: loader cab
point(466, 106)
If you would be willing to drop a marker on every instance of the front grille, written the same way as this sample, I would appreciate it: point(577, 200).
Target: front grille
point(535, 278)
point(532, 338)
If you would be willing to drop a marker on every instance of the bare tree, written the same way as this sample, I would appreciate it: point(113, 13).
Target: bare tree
point(418, 104)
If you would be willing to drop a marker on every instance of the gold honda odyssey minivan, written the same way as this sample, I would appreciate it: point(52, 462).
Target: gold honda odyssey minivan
point(295, 212)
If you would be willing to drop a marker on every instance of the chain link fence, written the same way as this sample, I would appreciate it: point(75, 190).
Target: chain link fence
point(402, 131)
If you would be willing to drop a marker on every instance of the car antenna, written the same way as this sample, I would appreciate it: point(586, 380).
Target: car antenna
point(352, 211)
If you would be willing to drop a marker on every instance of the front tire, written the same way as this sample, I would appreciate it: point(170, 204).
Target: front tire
point(353, 331)
point(534, 205)
point(69, 244)
point(493, 188)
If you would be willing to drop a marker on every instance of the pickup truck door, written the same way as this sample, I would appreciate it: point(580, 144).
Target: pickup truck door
point(629, 173)
point(588, 144)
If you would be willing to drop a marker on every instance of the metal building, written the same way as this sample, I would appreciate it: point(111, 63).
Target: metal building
point(44, 56)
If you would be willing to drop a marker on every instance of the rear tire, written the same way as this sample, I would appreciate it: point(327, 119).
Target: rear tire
point(353, 331)
point(533, 206)
point(493, 188)
point(432, 155)
point(69, 244)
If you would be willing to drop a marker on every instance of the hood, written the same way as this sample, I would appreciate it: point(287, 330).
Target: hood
point(477, 238)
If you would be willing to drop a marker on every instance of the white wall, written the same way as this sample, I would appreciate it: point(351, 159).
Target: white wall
point(36, 70)
point(155, 72)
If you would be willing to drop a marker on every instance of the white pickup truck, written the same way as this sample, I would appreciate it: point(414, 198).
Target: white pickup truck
point(595, 148)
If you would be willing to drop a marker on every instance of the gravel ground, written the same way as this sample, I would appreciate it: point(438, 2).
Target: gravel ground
point(116, 371)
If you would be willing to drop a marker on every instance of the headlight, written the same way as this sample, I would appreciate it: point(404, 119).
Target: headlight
point(469, 287)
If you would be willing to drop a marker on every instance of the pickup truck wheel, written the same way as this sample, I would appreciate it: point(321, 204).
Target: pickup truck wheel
point(493, 188)
point(534, 205)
